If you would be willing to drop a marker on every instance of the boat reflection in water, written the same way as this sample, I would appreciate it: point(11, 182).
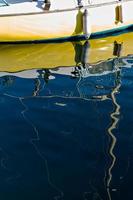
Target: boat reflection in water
point(15, 58)
point(67, 134)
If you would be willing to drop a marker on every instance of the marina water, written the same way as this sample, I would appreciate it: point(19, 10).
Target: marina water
point(66, 129)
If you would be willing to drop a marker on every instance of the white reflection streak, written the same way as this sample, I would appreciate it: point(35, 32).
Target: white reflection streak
point(101, 98)
point(115, 121)
point(37, 89)
point(36, 139)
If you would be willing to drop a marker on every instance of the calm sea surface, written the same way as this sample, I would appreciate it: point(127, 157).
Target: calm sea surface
point(66, 133)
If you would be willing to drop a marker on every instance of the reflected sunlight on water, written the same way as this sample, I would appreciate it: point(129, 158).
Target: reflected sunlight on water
point(66, 120)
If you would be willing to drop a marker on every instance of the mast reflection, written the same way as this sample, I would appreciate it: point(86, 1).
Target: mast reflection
point(114, 120)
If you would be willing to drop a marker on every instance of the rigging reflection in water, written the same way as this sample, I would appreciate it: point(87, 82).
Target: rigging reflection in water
point(113, 139)
point(115, 119)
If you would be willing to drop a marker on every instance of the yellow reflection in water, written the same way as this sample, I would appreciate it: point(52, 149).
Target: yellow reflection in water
point(30, 56)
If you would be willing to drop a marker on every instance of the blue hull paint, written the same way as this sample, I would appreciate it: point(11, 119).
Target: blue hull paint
point(53, 40)
point(112, 32)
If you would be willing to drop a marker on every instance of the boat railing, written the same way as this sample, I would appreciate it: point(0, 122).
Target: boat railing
point(97, 2)
point(101, 1)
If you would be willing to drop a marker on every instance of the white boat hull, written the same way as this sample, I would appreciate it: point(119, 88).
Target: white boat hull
point(63, 24)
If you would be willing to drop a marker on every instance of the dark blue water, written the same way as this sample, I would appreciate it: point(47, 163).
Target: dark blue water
point(67, 137)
